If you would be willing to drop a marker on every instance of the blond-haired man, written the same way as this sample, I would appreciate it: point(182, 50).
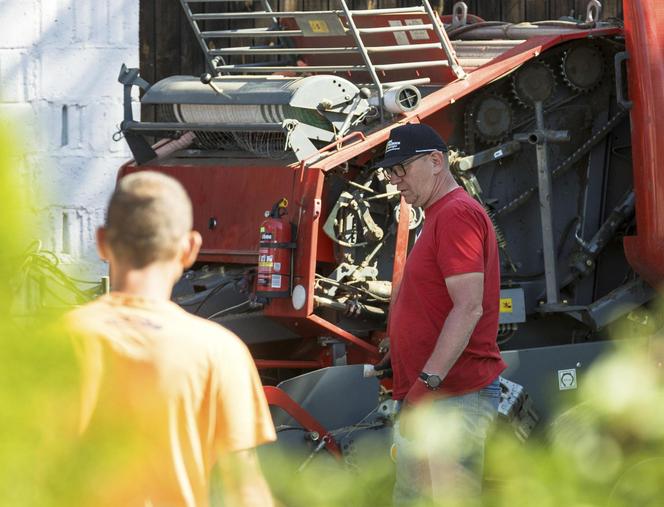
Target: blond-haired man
point(174, 392)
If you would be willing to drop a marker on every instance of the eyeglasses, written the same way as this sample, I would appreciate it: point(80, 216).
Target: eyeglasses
point(399, 170)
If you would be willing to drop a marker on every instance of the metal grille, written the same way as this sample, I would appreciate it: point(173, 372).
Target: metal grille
point(262, 144)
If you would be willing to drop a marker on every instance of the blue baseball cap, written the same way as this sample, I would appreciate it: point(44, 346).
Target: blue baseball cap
point(408, 141)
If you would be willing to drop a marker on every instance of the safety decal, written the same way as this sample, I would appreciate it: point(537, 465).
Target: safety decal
point(567, 379)
point(276, 282)
point(318, 26)
point(505, 305)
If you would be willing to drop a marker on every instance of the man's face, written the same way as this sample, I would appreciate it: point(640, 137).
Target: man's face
point(415, 178)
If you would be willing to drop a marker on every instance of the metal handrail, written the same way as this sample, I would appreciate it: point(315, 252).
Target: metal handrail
point(282, 50)
point(211, 16)
point(218, 66)
point(250, 32)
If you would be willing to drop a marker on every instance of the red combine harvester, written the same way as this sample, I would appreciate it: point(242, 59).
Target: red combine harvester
point(304, 243)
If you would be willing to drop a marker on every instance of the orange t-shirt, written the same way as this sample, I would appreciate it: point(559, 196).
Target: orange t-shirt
point(171, 391)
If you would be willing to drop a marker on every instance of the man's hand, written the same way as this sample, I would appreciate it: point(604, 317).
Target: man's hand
point(418, 393)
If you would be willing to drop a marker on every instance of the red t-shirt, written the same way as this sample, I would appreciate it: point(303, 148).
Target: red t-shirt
point(458, 237)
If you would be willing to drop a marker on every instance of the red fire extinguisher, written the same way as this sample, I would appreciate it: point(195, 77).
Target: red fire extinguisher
point(275, 251)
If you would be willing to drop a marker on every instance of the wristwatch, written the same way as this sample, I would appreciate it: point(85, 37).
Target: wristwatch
point(431, 381)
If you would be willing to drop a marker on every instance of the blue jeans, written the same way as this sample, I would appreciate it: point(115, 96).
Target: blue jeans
point(441, 457)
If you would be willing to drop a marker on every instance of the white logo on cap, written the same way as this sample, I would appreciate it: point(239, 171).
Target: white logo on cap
point(392, 145)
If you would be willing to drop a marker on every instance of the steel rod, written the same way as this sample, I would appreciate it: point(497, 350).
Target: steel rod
point(249, 32)
point(546, 210)
point(134, 126)
point(410, 47)
point(291, 68)
point(412, 65)
point(399, 28)
point(210, 16)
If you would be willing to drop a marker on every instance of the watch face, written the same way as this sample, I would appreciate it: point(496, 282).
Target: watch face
point(433, 381)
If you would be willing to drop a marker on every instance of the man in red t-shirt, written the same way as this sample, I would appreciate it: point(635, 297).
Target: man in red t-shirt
point(443, 322)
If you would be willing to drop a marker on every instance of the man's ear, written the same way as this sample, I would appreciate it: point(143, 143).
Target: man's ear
point(192, 245)
point(438, 160)
point(102, 244)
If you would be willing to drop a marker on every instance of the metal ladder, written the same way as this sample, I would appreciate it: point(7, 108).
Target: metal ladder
point(218, 67)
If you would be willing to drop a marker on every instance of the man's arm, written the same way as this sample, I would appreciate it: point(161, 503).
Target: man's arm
point(243, 481)
point(467, 292)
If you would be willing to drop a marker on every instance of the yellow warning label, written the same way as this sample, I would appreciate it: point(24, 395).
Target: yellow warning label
point(267, 264)
point(318, 26)
point(262, 229)
point(505, 305)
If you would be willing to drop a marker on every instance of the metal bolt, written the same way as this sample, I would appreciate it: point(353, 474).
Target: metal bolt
point(589, 263)
point(578, 365)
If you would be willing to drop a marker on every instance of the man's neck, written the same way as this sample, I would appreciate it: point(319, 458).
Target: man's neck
point(443, 186)
point(154, 281)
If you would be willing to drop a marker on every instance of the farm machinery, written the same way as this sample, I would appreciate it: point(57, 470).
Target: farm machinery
point(304, 242)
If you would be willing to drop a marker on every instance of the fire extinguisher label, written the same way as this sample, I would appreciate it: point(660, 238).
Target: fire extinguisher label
point(265, 261)
point(277, 266)
point(276, 282)
point(266, 236)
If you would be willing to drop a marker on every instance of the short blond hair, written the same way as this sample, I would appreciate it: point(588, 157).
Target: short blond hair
point(148, 215)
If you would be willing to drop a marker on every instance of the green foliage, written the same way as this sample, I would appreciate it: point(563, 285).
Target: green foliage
point(42, 461)
point(604, 450)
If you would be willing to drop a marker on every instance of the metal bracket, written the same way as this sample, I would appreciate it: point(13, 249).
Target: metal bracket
point(459, 14)
point(297, 140)
point(593, 11)
point(618, 60)
point(337, 349)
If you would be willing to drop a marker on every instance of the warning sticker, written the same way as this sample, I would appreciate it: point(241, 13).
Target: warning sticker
point(400, 37)
point(277, 266)
point(318, 26)
point(264, 261)
point(505, 305)
point(276, 282)
point(417, 34)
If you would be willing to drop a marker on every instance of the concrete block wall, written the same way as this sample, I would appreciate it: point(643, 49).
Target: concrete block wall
point(59, 62)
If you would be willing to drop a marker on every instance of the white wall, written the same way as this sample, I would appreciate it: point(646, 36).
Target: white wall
point(59, 62)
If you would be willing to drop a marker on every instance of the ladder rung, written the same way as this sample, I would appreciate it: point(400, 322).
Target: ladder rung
point(291, 14)
point(411, 65)
point(409, 47)
point(250, 32)
point(381, 12)
point(291, 68)
point(271, 50)
point(399, 28)
point(263, 50)
point(253, 15)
